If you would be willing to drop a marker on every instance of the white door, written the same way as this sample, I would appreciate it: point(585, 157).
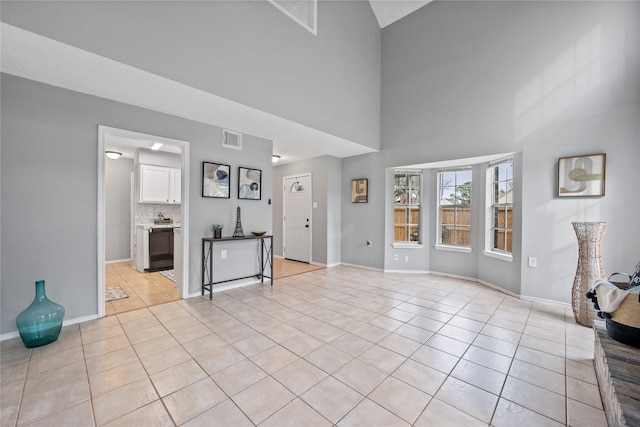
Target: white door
point(297, 218)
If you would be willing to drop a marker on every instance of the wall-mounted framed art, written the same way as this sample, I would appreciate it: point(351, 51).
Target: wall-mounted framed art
point(359, 190)
point(249, 183)
point(581, 176)
point(216, 180)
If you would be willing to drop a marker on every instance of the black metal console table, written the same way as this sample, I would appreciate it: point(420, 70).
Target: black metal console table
point(266, 258)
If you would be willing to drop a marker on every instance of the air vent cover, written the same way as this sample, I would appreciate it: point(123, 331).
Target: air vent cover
point(231, 139)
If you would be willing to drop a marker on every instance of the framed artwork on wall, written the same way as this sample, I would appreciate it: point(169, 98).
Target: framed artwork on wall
point(581, 176)
point(249, 183)
point(216, 180)
point(359, 190)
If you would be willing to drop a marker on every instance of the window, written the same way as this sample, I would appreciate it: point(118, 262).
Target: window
point(454, 207)
point(502, 206)
point(406, 209)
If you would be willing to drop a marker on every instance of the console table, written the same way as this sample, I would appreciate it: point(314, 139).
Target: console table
point(266, 258)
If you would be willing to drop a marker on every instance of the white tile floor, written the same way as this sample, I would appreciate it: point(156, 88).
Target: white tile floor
point(340, 346)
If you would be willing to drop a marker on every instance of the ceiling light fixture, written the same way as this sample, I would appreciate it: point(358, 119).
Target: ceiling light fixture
point(113, 155)
point(275, 158)
point(156, 146)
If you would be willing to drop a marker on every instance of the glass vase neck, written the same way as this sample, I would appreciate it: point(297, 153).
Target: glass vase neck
point(40, 294)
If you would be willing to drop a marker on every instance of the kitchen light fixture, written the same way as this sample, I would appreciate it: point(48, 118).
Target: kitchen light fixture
point(156, 146)
point(113, 155)
point(275, 158)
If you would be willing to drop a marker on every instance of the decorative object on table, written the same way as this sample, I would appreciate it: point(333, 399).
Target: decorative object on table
point(589, 269)
point(238, 231)
point(359, 190)
point(249, 183)
point(216, 180)
point(217, 231)
point(620, 308)
point(114, 293)
point(40, 323)
point(258, 233)
point(581, 176)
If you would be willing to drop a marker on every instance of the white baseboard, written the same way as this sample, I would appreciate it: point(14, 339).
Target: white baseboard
point(15, 334)
point(407, 271)
point(364, 267)
point(278, 256)
point(548, 301)
point(115, 261)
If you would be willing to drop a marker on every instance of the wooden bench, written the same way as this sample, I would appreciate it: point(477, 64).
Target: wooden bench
point(617, 368)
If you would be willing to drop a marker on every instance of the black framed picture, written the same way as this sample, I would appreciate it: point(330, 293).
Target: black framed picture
point(359, 190)
point(216, 180)
point(249, 183)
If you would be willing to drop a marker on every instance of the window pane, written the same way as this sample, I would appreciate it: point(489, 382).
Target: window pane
point(509, 194)
point(502, 172)
point(414, 216)
point(447, 196)
point(510, 170)
point(447, 178)
point(447, 235)
point(463, 236)
point(463, 194)
point(447, 216)
point(463, 216)
point(463, 177)
point(498, 239)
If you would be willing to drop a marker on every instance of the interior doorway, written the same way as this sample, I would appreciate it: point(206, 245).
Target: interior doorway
point(107, 134)
point(297, 221)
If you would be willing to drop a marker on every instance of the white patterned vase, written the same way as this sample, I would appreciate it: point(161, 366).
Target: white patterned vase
point(589, 269)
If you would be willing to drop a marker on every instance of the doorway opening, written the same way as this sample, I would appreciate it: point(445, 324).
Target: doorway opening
point(126, 142)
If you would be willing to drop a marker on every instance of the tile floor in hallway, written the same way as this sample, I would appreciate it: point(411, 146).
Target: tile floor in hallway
point(339, 346)
point(143, 289)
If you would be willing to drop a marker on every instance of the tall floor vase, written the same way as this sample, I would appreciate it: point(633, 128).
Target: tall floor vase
point(589, 269)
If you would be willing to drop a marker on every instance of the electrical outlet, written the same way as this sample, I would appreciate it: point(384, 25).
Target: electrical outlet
point(533, 262)
point(369, 243)
point(406, 258)
point(395, 257)
point(223, 254)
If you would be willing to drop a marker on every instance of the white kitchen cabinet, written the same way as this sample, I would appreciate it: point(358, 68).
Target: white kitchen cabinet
point(159, 184)
point(142, 248)
point(175, 187)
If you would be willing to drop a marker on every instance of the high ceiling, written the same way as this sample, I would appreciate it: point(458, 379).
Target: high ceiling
point(389, 11)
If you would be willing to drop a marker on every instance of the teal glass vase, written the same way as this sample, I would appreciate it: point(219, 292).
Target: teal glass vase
point(40, 323)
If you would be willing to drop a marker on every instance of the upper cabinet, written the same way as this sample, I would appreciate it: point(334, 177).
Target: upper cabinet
point(159, 184)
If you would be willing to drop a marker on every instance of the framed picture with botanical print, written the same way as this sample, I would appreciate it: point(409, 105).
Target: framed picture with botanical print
point(216, 180)
point(359, 190)
point(249, 183)
point(581, 176)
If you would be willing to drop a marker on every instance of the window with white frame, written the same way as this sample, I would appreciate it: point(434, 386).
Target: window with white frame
point(454, 207)
point(406, 206)
point(501, 206)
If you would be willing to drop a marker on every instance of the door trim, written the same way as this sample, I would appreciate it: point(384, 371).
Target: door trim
point(284, 224)
point(103, 131)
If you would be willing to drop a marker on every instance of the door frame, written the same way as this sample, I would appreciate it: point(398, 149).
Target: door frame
point(284, 223)
point(103, 131)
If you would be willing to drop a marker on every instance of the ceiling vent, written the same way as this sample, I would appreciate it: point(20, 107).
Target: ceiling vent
point(231, 139)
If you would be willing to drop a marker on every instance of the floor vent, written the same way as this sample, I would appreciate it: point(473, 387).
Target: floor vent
point(231, 139)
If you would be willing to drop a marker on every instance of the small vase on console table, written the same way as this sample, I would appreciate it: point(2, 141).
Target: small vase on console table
point(589, 269)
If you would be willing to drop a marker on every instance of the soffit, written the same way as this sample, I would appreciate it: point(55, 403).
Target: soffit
point(34, 57)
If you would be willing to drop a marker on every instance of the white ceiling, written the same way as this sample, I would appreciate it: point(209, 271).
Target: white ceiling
point(389, 11)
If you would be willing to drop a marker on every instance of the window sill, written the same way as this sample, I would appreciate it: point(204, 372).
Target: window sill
point(463, 249)
point(399, 245)
point(498, 255)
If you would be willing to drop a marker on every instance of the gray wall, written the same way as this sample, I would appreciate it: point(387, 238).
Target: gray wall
point(544, 79)
point(326, 175)
point(49, 186)
point(117, 188)
point(245, 51)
